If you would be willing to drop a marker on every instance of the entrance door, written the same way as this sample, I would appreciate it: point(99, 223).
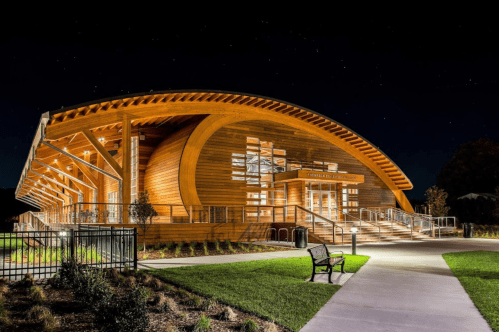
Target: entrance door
point(323, 203)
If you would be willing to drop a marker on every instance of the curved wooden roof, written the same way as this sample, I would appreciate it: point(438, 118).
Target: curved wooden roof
point(104, 118)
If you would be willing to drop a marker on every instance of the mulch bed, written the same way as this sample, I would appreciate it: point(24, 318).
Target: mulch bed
point(73, 317)
point(163, 251)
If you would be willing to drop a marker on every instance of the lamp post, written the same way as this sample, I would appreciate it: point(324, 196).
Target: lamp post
point(354, 240)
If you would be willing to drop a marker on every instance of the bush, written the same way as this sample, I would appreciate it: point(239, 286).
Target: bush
point(269, 327)
point(90, 287)
point(70, 270)
point(228, 315)
point(249, 325)
point(37, 294)
point(203, 324)
point(126, 313)
point(193, 301)
point(4, 314)
point(27, 280)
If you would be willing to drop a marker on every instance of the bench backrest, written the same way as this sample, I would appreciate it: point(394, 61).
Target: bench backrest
point(319, 252)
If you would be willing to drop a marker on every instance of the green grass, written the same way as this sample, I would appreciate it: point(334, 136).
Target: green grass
point(478, 272)
point(273, 288)
point(10, 243)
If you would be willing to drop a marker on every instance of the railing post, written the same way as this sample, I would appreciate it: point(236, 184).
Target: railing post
point(171, 213)
point(190, 214)
point(135, 248)
point(258, 213)
point(273, 214)
point(296, 214)
point(112, 245)
point(244, 213)
point(313, 223)
point(72, 243)
point(226, 214)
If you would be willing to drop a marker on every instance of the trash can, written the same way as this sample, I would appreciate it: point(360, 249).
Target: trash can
point(301, 237)
point(468, 230)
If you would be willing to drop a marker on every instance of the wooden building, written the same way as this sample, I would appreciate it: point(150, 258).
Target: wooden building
point(214, 164)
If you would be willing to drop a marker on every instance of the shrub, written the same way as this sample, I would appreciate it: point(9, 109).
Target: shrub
point(205, 248)
point(178, 249)
point(90, 287)
point(145, 256)
point(217, 247)
point(162, 255)
point(37, 294)
point(50, 323)
point(203, 324)
point(269, 327)
point(69, 271)
point(112, 273)
point(3, 289)
point(4, 281)
point(38, 313)
point(249, 325)
point(170, 327)
point(170, 306)
point(156, 284)
point(123, 313)
point(191, 247)
point(228, 314)
point(209, 304)
point(193, 301)
point(130, 282)
point(28, 280)
point(229, 246)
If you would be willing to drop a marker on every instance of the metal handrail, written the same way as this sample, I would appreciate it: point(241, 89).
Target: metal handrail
point(327, 220)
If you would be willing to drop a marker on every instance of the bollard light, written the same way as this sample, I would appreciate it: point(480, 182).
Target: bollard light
point(63, 233)
point(354, 240)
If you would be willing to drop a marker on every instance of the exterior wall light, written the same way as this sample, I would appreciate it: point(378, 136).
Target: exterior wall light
point(86, 152)
point(101, 139)
point(55, 160)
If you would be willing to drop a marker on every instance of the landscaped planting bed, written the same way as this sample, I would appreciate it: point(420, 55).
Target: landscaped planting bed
point(96, 304)
point(183, 249)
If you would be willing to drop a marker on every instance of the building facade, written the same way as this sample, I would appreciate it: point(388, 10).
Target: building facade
point(205, 157)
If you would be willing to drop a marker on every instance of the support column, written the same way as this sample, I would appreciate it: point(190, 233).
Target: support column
point(126, 165)
point(100, 185)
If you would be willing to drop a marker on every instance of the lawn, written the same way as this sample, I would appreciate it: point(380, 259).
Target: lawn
point(478, 272)
point(8, 241)
point(273, 288)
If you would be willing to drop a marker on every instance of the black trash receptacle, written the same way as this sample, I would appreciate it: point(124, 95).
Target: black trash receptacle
point(468, 230)
point(301, 237)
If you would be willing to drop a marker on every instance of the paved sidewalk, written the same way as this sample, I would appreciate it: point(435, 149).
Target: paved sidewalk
point(404, 287)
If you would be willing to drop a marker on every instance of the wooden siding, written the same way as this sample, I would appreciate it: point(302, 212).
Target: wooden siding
point(214, 170)
point(199, 232)
point(161, 174)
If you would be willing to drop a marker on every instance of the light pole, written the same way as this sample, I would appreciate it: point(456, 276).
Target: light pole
point(63, 235)
point(354, 240)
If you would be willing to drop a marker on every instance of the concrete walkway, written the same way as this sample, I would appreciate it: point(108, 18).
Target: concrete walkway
point(405, 286)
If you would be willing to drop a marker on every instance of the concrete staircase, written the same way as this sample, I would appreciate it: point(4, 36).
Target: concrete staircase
point(322, 231)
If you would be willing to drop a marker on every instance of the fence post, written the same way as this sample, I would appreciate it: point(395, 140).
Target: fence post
point(135, 249)
point(72, 243)
point(112, 245)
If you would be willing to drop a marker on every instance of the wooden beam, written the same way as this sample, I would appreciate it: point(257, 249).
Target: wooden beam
point(126, 165)
point(103, 152)
point(84, 169)
point(61, 169)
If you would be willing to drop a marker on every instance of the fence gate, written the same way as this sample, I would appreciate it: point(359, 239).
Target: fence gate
point(42, 252)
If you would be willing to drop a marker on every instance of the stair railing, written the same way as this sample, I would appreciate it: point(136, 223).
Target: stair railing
point(315, 215)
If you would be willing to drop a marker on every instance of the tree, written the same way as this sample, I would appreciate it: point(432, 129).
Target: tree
point(142, 211)
point(474, 168)
point(435, 199)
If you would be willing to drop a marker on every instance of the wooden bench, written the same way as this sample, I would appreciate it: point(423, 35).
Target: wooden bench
point(322, 257)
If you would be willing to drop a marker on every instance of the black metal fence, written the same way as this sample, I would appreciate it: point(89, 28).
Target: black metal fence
point(42, 252)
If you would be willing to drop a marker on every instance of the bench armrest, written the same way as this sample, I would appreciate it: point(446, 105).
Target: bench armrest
point(337, 251)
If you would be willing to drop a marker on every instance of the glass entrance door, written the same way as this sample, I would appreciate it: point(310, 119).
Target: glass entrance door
point(322, 199)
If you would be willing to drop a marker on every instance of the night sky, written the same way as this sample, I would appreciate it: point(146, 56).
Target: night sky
point(416, 89)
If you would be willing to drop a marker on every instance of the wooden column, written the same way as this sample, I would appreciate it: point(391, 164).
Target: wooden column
point(101, 198)
point(126, 165)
